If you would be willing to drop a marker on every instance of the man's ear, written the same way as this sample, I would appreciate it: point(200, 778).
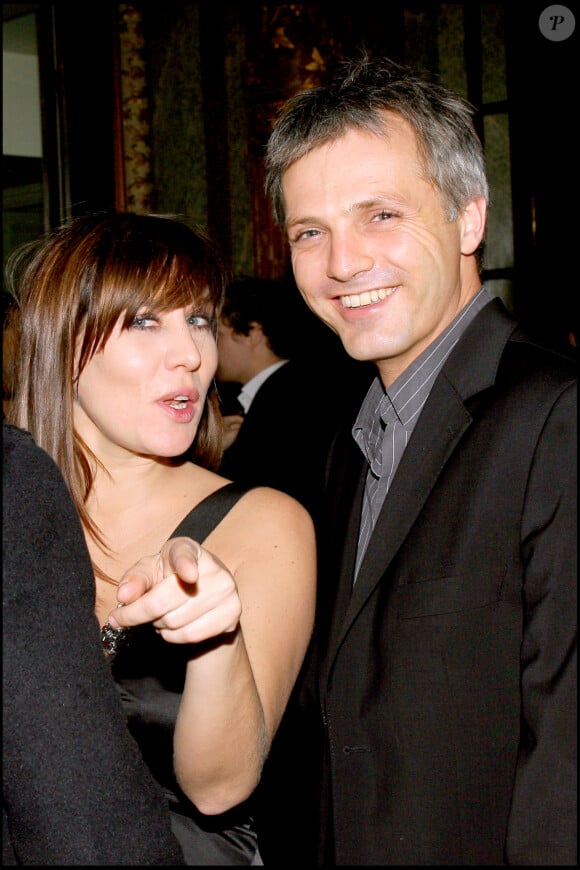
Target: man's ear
point(256, 335)
point(473, 220)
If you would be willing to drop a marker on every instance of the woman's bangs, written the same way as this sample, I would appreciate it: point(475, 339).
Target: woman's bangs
point(162, 284)
point(186, 283)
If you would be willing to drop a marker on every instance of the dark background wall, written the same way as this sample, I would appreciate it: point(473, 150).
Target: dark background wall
point(166, 105)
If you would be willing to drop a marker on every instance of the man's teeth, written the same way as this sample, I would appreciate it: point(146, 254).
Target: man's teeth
point(367, 298)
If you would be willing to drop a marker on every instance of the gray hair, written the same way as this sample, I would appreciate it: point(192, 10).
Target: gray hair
point(357, 97)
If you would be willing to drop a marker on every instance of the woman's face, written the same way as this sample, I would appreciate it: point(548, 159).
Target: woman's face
point(144, 391)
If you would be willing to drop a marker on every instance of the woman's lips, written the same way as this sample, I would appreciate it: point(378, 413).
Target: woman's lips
point(180, 405)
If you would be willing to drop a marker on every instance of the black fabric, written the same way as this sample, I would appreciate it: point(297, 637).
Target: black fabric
point(150, 674)
point(75, 790)
point(447, 675)
point(286, 434)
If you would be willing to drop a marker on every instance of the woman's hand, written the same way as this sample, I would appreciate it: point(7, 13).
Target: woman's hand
point(185, 591)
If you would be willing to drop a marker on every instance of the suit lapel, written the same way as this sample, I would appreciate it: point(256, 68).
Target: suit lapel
point(338, 550)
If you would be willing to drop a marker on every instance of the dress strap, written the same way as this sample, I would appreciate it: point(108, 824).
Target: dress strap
point(210, 511)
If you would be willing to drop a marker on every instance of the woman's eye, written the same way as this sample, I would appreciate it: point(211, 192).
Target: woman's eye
point(201, 321)
point(148, 321)
point(144, 321)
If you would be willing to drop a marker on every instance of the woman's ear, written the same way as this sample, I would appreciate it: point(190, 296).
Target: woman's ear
point(473, 220)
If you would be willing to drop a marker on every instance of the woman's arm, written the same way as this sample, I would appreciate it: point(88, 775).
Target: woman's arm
point(250, 625)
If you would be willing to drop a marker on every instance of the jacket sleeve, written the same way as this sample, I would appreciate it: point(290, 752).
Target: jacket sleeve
point(543, 821)
point(75, 788)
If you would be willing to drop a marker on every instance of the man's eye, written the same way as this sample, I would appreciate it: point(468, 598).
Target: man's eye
point(384, 216)
point(304, 236)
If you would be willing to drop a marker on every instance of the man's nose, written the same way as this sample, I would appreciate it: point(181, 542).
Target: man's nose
point(347, 257)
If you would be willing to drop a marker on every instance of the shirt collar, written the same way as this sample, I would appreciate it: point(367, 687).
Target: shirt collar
point(403, 399)
point(248, 392)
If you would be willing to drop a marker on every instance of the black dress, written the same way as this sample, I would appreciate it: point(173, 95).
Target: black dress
point(150, 674)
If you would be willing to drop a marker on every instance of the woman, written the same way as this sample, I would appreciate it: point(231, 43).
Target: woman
point(118, 353)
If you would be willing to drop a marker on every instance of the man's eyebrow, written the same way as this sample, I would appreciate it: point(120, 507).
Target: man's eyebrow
point(380, 200)
point(292, 222)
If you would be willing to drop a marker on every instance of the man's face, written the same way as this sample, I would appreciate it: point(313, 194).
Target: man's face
point(373, 252)
point(233, 351)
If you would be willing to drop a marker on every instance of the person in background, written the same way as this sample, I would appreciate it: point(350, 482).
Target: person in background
point(444, 653)
point(117, 316)
point(73, 780)
point(269, 344)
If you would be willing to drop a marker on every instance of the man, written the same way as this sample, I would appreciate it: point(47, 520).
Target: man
point(445, 640)
point(75, 788)
point(269, 344)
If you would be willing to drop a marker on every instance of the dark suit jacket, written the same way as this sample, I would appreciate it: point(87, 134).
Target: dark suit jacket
point(75, 788)
point(447, 680)
point(286, 434)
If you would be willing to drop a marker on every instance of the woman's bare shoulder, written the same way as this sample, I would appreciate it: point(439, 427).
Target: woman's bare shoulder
point(263, 518)
point(273, 504)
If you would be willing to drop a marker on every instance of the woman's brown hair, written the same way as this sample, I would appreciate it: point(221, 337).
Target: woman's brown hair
point(71, 288)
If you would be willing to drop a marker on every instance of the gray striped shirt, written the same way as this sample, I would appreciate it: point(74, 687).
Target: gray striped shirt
point(387, 419)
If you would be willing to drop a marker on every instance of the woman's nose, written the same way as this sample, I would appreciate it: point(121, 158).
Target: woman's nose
point(185, 349)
